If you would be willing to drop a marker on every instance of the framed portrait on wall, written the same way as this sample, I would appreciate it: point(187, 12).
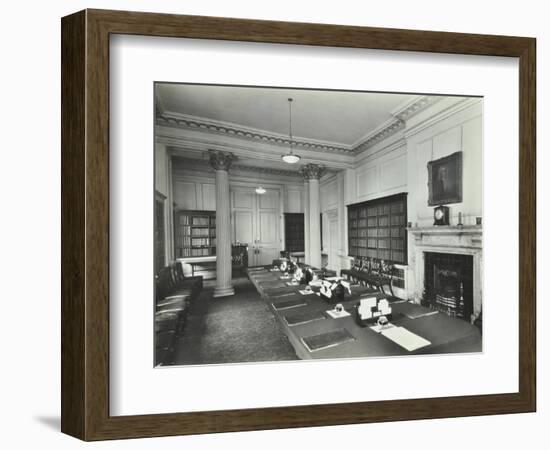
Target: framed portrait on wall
point(267, 229)
point(445, 180)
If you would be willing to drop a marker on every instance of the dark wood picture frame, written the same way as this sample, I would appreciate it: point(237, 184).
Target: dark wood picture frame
point(85, 224)
point(451, 167)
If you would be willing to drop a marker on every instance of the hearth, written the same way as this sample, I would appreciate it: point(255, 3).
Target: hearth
point(448, 283)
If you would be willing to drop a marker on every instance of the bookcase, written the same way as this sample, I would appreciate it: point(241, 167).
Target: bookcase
point(377, 229)
point(294, 232)
point(195, 233)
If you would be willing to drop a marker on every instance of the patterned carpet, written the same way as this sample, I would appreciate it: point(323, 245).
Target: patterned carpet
point(235, 329)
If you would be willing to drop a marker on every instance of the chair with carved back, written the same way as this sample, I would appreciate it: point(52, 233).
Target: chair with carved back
point(361, 276)
point(373, 278)
point(386, 277)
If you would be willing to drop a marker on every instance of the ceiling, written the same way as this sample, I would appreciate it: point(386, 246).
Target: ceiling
point(338, 117)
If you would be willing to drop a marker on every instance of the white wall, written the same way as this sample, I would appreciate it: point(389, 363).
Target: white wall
point(197, 190)
point(30, 389)
point(383, 174)
point(294, 198)
point(399, 163)
point(460, 132)
point(197, 194)
point(161, 175)
point(163, 184)
point(331, 198)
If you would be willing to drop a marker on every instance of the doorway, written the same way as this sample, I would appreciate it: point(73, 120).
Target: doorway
point(256, 222)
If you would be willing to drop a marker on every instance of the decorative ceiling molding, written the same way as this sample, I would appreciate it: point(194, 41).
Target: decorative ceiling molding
point(395, 124)
point(412, 108)
point(193, 141)
point(189, 163)
point(443, 113)
point(388, 129)
point(398, 122)
point(225, 128)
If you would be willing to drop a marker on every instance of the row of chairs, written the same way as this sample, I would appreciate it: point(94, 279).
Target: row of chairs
point(371, 272)
point(174, 296)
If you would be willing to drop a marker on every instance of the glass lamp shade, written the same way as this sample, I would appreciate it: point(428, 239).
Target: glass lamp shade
point(260, 190)
point(291, 158)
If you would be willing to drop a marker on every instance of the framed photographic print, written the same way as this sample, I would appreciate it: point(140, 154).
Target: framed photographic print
point(445, 180)
point(228, 221)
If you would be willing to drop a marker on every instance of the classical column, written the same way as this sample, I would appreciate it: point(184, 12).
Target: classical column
point(221, 161)
point(342, 220)
point(306, 221)
point(313, 172)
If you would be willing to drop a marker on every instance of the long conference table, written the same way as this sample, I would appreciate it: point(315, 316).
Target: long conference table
point(315, 334)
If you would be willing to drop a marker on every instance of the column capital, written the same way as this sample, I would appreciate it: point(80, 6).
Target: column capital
point(312, 171)
point(221, 160)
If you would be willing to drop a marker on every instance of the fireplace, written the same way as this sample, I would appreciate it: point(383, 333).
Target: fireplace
point(447, 261)
point(448, 283)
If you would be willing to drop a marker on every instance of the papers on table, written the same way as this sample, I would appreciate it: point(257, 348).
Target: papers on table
point(405, 338)
point(380, 328)
point(337, 314)
point(305, 292)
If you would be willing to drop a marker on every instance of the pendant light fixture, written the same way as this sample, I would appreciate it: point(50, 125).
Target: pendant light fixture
point(290, 157)
point(259, 188)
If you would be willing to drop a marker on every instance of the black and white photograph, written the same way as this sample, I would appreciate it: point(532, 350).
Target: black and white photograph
point(275, 225)
point(298, 224)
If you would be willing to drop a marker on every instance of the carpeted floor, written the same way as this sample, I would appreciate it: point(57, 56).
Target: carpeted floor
point(240, 328)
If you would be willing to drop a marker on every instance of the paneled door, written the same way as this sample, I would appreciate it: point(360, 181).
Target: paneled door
point(333, 257)
point(256, 223)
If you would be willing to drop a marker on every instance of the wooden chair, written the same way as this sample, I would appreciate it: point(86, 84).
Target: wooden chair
point(361, 275)
point(174, 293)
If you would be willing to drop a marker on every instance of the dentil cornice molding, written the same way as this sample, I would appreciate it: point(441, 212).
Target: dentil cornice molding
point(388, 129)
point(396, 123)
point(444, 112)
point(412, 108)
point(170, 119)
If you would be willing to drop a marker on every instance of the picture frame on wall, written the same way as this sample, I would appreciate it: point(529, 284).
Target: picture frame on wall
point(445, 180)
point(108, 390)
